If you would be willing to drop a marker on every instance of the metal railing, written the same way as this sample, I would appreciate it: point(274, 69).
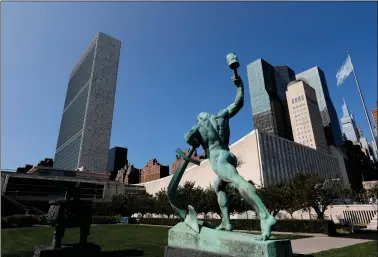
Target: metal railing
point(50, 194)
point(25, 208)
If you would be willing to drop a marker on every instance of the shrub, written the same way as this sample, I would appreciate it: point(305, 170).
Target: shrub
point(105, 219)
point(30, 220)
point(159, 221)
point(300, 226)
point(22, 220)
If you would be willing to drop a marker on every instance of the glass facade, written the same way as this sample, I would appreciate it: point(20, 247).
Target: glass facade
point(85, 102)
point(316, 79)
point(267, 87)
point(282, 159)
point(283, 75)
point(348, 125)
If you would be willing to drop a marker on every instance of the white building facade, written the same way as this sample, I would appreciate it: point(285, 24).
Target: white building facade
point(266, 159)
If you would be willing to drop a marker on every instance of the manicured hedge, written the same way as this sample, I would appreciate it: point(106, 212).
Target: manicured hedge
point(111, 220)
point(30, 220)
point(105, 219)
point(300, 226)
point(22, 220)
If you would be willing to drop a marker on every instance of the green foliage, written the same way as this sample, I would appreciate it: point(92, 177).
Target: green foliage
point(105, 219)
point(310, 190)
point(161, 204)
point(301, 226)
point(22, 220)
point(301, 193)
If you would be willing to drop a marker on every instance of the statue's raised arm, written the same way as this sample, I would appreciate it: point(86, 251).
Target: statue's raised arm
point(235, 107)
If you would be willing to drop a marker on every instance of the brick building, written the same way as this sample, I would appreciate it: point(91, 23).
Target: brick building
point(374, 113)
point(195, 156)
point(153, 170)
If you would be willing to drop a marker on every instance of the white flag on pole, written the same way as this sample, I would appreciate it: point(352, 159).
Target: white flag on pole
point(344, 71)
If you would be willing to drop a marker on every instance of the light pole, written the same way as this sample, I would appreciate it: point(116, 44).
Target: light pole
point(322, 186)
point(325, 182)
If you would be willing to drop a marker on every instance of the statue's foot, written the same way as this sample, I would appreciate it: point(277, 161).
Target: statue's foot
point(266, 227)
point(224, 226)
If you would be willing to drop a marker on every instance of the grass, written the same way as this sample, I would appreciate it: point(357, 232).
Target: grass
point(344, 231)
point(368, 249)
point(125, 240)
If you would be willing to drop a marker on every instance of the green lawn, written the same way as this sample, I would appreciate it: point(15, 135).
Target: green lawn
point(122, 240)
point(360, 250)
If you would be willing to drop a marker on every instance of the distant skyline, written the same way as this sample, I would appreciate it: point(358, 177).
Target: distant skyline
point(172, 60)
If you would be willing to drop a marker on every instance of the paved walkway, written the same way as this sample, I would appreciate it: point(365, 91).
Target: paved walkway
point(318, 244)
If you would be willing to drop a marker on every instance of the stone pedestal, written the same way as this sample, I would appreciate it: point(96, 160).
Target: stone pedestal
point(75, 250)
point(185, 242)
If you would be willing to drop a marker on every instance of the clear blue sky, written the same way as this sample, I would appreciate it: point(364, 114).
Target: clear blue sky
point(172, 59)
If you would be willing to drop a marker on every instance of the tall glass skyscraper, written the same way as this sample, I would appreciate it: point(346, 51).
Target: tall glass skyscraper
point(267, 87)
point(348, 125)
point(316, 79)
point(84, 135)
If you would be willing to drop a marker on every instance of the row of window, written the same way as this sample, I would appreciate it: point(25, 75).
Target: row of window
point(297, 99)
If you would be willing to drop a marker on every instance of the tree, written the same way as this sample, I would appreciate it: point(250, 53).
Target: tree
point(239, 162)
point(210, 201)
point(161, 203)
point(274, 197)
point(236, 203)
point(104, 209)
point(373, 192)
point(143, 203)
point(122, 204)
point(311, 193)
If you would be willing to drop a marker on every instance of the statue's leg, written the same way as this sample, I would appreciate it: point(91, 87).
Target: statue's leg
point(220, 187)
point(248, 192)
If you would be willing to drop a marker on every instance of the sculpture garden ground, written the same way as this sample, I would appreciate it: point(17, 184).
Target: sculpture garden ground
point(132, 240)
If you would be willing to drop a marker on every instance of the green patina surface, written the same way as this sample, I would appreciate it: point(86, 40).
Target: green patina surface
point(228, 243)
point(212, 132)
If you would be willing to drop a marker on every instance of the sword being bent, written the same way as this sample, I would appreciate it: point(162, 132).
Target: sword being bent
point(190, 217)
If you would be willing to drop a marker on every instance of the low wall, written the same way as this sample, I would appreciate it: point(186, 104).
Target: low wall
point(354, 213)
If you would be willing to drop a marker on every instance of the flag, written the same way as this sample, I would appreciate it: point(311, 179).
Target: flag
point(344, 71)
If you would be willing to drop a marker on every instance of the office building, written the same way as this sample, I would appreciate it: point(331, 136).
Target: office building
point(128, 175)
point(117, 159)
point(365, 146)
point(84, 135)
point(315, 78)
point(267, 87)
point(348, 125)
point(306, 121)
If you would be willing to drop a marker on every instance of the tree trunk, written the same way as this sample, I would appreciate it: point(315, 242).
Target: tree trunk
point(319, 213)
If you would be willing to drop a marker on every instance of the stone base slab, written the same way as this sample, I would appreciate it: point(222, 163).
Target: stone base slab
point(75, 250)
point(180, 252)
point(182, 239)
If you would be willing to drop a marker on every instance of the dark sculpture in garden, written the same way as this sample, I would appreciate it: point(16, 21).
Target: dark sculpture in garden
point(68, 213)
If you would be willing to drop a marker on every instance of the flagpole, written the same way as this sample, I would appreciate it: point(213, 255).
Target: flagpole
point(364, 105)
